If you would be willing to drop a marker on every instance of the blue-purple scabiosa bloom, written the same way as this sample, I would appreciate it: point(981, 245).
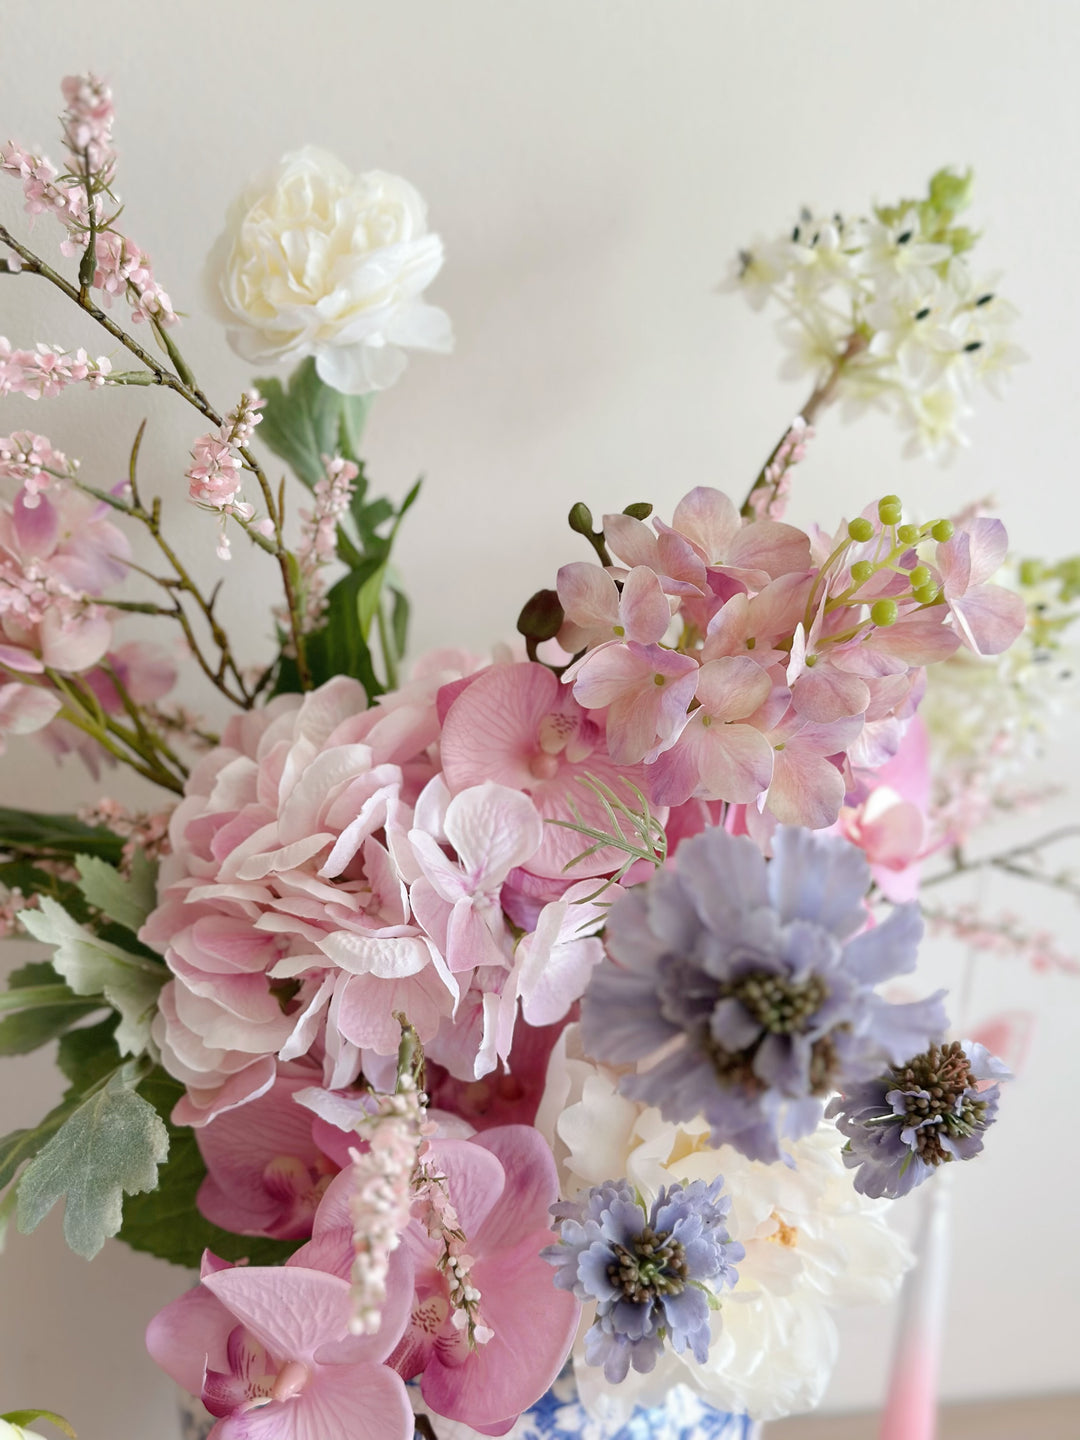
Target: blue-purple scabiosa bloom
point(651, 1271)
point(902, 1125)
point(747, 985)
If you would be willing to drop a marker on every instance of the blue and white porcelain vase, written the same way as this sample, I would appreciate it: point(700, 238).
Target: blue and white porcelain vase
point(559, 1415)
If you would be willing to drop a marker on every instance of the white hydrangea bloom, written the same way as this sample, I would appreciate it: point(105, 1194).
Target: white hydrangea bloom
point(812, 1244)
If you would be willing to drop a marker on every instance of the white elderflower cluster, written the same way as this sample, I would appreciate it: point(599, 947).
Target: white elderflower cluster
point(886, 311)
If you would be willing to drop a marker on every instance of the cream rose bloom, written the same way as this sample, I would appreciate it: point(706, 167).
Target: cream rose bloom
point(813, 1244)
point(318, 261)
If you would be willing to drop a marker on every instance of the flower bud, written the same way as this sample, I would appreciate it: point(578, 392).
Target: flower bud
point(541, 616)
point(920, 577)
point(890, 511)
point(860, 528)
point(926, 594)
point(908, 534)
point(861, 571)
point(942, 530)
point(883, 612)
point(580, 519)
point(639, 511)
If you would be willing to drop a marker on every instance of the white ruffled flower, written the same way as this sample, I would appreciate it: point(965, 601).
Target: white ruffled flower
point(812, 1245)
point(318, 261)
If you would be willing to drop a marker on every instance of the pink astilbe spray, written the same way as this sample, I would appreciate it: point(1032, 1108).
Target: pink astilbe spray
point(769, 499)
point(318, 539)
point(216, 473)
point(381, 1197)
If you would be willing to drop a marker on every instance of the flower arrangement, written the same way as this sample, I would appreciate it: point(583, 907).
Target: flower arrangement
point(532, 1008)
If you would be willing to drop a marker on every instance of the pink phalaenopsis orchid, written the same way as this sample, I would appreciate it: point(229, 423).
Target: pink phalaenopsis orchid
point(271, 1354)
point(517, 726)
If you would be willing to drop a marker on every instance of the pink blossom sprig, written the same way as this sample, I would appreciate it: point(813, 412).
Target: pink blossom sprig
point(33, 462)
point(143, 831)
point(46, 370)
point(382, 1196)
point(1003, 935)
point(216, 474)
point(78, 199)
point(87, 125)
point(318, 540)
point(441, 1222)
point(768, 500)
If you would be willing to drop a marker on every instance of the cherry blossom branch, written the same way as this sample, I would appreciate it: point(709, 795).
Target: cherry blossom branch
point(1008, 862)
point(183, 383)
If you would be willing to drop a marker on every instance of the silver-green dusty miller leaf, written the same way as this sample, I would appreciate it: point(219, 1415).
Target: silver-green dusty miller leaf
point(109, 1147)
point(91, 966)
point(127, 901)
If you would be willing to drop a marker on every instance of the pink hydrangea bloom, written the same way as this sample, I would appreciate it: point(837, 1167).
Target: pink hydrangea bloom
point(598, 611)
point(283, 882)
point(989, 617)
point(644, 691)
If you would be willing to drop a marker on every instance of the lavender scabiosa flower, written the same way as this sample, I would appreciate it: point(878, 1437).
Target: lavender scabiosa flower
point(903, 1124)
point(651, 1271)
point(747, 986)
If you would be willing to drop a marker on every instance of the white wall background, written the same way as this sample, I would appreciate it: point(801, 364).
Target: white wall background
point(592, 164)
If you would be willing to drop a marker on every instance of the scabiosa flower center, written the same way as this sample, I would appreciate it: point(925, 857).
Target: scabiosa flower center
point(654, 1265)
point(940, 1098)
point(779, 1003)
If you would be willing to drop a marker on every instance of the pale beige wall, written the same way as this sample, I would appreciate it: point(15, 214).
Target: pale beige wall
point(591, 165)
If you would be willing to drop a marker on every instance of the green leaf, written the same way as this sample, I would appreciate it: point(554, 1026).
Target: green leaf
point(367, 600)
point(167, 1222)
point(56, 835)
point(86, 1057)
point(337, 648)
point(111, 1145)
point(309, 419)
point(30, 1029)
point(355, 410)
point(46, 1006)
point(33, 973)
point(27, 1417)
point(127, 901)
point(92, 965)
point(400, 621)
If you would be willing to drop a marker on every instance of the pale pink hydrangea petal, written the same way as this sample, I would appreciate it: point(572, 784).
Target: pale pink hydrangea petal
point(645, 691)
point(709, 520)
point(555, 960)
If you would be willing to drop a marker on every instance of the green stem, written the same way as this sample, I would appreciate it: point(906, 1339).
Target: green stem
point(822, 395)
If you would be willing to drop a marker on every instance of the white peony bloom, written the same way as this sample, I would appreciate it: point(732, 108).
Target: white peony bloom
point(812, 1244)
point(318, 261)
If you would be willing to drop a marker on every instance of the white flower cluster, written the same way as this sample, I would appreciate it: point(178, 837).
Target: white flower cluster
point(813, 1245)
point(886, 311)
